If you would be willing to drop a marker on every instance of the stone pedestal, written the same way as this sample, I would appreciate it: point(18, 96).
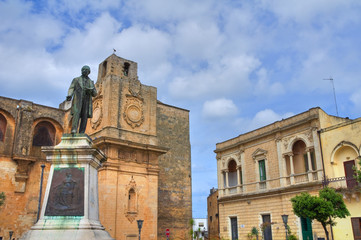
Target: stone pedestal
point(70, 209)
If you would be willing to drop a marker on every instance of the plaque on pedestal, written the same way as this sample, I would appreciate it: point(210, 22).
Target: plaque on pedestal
point(70, 209)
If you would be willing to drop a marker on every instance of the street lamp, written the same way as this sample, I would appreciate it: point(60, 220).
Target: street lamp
point(11, 234)
point(285, 219)
point(140, 224)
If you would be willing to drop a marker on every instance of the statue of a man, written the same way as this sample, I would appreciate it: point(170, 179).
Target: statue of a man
point(82, 90)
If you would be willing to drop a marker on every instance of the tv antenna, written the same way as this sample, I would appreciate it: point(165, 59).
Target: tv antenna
point(334, 92)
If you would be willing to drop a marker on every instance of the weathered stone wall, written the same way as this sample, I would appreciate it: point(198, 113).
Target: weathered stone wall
point(20, 163)
point(175, 192)
point(213, 215)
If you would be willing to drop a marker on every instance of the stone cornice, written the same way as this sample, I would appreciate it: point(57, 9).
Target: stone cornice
point(243, 139)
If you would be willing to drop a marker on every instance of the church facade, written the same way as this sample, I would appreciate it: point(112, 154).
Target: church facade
point(148, 170)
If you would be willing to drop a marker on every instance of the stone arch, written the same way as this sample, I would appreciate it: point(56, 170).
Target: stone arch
point(7, 125)
point(44, 134)
point(53, 125)
point(3, 124)
point(339, 147)
point(345, 157)
point(299, 156)
point(232, 173)
point(296, 139)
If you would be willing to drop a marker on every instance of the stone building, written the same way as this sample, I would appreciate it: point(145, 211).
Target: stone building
point(148, 170)
point(260, 171)
point(213, 215)
point(341, 145)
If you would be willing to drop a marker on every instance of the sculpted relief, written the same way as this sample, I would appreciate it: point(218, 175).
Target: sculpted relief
point(66, 196)
point(133, 112)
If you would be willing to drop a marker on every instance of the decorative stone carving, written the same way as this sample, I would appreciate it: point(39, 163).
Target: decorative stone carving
point(134, 114)
point(259, 153)
point(97, 113)
point(131, 215)
point(127, 155)
point(285, 143)
point(135, 88)
point(309, 136)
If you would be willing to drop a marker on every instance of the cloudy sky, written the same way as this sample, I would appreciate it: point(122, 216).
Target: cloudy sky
point(236, 65)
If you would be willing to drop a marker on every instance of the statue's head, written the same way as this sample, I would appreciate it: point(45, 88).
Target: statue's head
point(85, 70)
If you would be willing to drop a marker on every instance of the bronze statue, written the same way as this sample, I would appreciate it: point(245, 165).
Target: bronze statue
point(82, 90)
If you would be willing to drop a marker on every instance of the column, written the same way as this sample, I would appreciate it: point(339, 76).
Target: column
point(292, 178)
point(317, 149)
point(310, 174)
point(221, 185)
point(238, 180)
point(227, 185)
point(281, 163)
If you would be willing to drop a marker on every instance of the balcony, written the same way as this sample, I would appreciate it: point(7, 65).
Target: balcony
point(348, 187)
point(310, 176)
point(271, 184)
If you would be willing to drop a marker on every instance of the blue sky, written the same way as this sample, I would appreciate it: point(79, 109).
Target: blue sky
point(236, 65)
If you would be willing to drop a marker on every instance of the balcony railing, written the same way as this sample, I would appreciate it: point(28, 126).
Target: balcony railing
point(301, 178)
point(342, 183)
point(269, 184)
point(232, 190)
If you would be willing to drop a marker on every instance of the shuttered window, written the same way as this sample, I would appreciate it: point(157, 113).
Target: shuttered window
point(262, 170)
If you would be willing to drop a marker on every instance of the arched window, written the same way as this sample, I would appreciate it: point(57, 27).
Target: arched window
point(346, 156)
point(126, 69)
point(300, 157)
point(232, 173)
point(3, 123)
point(44, 134)
point(131, 201)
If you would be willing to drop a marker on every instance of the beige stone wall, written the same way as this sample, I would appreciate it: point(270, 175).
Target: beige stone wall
point(213, 216)
point(249, 213)
point(19, 212)
point(175, 192)
point(128, 168)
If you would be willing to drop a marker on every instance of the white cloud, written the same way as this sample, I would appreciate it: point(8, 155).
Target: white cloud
point(307, 10)
point(264, 87)
point(228, 76)
point(168, 11)
point(265, 117)
point(221, 108)
point(197, 41)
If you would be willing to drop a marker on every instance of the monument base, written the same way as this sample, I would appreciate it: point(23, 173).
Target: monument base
point(67, 234)
point(70, 208)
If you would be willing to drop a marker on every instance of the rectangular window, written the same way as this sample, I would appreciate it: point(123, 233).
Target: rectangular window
point(232, 179)
point(240, 175)
point(262, 170)
point(224, 180)
point(356, 228)
point(305, 158)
